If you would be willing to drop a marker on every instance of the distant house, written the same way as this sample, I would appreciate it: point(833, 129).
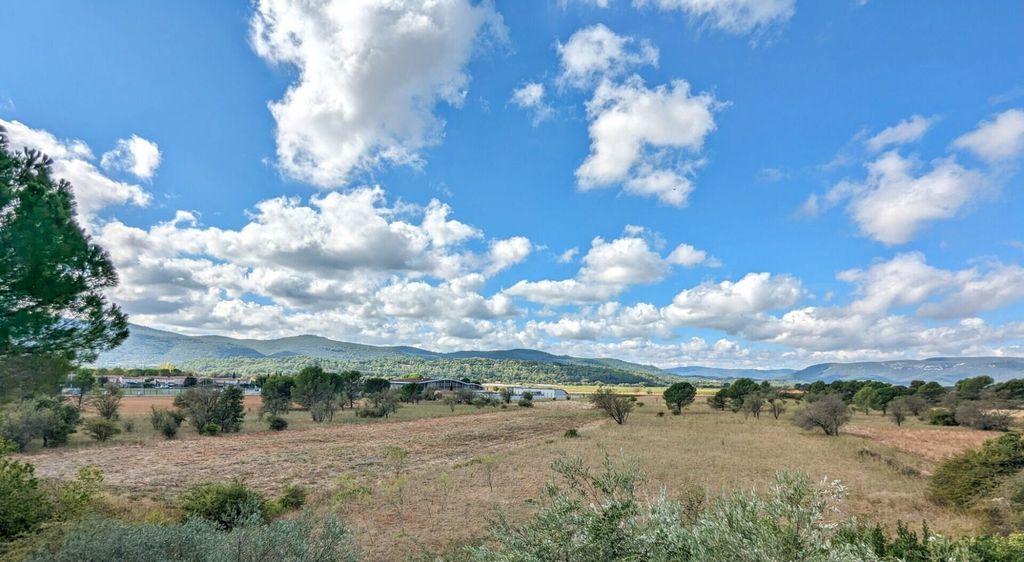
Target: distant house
point(440, 385)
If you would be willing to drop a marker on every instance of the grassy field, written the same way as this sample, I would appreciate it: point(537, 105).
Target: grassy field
point(464, 466)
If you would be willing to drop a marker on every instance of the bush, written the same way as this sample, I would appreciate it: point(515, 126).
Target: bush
point(305, 538)
point(662, 414)
point(827, 413)
point(972, 414)
point(48, 419)
point(211, 429)
point(224, 504)
point(166, 422)
point(524, 403)
point(589, 514)
point(101, 429)
point(128, 426)
point(292, 497)
point(106, 400)
point(970, 476)
point(675, 413)
point(277, 423)
point(572, 433)
point(616, 407)
point(23, 503)
point(941, 416)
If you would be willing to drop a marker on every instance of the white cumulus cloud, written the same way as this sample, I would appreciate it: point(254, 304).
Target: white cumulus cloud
point(647, 139)
point(135, 155)
point(596, 52)
point(369, 76)
point(1001, 138)
point(73, 161)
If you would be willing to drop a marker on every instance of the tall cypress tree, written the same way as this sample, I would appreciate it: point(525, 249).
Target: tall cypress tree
point(52, 276)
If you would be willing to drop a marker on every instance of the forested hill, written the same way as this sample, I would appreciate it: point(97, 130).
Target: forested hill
point(148, 347)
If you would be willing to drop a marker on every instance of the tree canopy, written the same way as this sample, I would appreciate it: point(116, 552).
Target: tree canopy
point(52, 276)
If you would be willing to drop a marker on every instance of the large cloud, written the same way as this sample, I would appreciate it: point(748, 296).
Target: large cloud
point(648, 140)
point(611, 267)
point(73, 160)
point(370, 75)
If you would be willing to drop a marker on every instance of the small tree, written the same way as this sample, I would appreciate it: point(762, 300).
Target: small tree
point(411, 392)
point(276, 395)
point(506, 394)
point(776, 405)
point(898, 411)
point(753, 403)
point(166, 422)
point(229, 411)
point(914, 404)
point(450, 400)
point(616, 407)
point(83, 381)
point(198, 405)
point(106, 400)
point(375, 385)
point(679, 395)
point(101, 429)
point(827, 413)
point(318, 391)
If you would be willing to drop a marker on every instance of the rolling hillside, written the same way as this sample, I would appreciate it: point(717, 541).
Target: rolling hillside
point(148, 347)
point(945, 370)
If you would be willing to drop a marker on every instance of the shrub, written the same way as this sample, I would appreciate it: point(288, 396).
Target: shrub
point(973, 415)
point(211, 429)
point(23, 503)
point(128, 426)
point(165, 421)
point(941, 416)
point(964, 479)
point(106, 400)
point(524, 403)
point(662, 414)
point(277, 423)
point(42, 418)
point(588, 514)
point(827, 413)
point(616, 407)
point(572, 433)
point(198, 540)
point(224, 504)
point(101, 429)
point(676, 412)
point(292, 497)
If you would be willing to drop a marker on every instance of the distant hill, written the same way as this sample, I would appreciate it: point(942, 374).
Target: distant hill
point(148, 347)
point(714, 373)
point(945, 370)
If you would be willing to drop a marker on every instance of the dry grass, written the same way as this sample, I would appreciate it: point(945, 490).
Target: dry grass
point(441, 496)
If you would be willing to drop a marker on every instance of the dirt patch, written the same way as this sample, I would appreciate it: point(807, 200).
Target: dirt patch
point(314, 457)
point(138, 405)
point(935, 444)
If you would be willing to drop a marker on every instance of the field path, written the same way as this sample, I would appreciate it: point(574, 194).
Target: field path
point(933, 443)
point(313, 457)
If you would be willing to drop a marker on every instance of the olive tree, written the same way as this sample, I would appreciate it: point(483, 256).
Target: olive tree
point(616, 407)
point(827, 413)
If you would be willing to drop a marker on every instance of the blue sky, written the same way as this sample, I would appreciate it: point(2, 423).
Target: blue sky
point(733, 183)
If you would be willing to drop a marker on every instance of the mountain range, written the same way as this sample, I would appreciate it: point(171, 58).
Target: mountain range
point(149, 347)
